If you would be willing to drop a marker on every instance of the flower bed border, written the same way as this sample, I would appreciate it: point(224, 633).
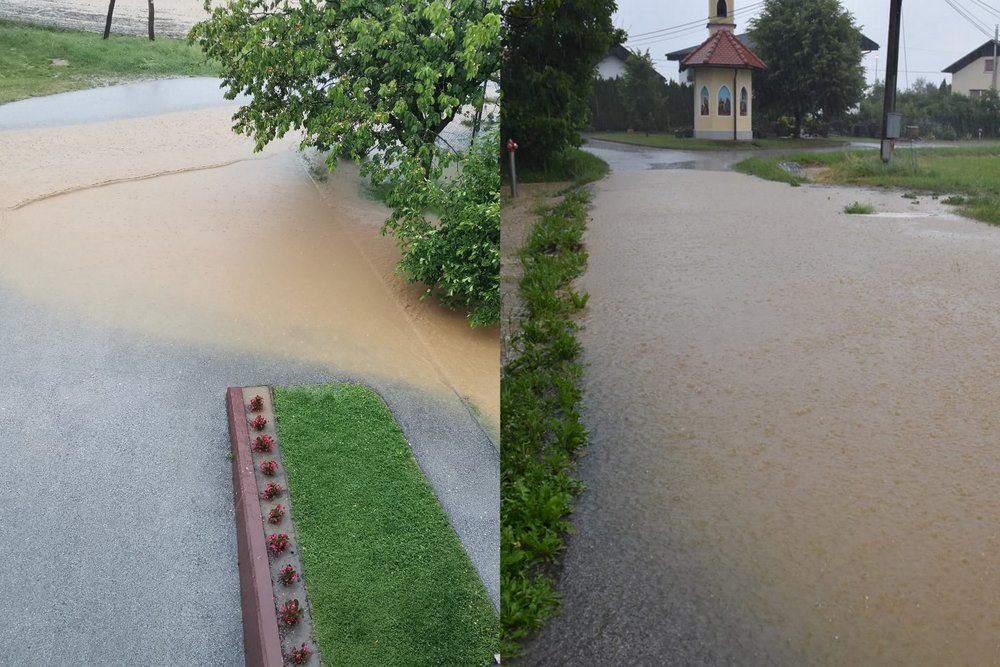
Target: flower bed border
point(259, 569)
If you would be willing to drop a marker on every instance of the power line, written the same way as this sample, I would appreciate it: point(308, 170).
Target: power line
point(964, 13)
point(698, 22)
point(985, 6)
point(674, 32)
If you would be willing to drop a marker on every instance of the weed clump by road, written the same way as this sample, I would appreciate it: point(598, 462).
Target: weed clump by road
point(541, 427)
point(857, 208)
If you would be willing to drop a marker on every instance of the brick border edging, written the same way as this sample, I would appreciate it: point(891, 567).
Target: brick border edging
point(261, 644)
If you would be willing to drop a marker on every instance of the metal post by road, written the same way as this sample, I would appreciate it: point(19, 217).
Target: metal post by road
point(511, 149)
point(891, 69)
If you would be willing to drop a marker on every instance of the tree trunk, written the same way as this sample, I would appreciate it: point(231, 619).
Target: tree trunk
point(107, 24)
point(798, 125)
point(151, 36)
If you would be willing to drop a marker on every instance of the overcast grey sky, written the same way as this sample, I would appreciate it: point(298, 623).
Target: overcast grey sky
point(934, 33)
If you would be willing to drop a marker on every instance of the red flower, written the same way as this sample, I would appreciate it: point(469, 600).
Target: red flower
point(268, 467)
point(288, 575)
point(263, 443)
point(299, 656)
point(271, 491)
point(277, 542)
point(276, 515)
point(257, 403)
point(259, 423)
point(290, 612)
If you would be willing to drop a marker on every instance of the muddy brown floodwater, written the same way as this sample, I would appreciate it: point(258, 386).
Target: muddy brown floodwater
point(172, 225)
point(795, 431)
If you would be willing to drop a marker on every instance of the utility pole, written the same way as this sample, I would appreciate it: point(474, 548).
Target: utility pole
point(891, 70)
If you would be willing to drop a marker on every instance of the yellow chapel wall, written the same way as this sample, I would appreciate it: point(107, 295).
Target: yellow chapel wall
point(714, 126)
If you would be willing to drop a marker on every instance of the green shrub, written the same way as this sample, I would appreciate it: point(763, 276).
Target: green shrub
point(858, 208)
point(457, 256)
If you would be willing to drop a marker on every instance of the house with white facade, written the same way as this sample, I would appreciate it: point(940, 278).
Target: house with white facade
point(975, 73)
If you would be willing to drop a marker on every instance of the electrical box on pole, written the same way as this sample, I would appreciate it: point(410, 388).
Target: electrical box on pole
point(891, 70)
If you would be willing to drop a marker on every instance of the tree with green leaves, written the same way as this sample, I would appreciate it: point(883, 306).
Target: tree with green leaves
point(370, 80)
point(813, 53)
point(551, 48)
point(645, 93)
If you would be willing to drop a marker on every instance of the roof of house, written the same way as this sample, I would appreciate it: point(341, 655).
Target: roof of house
point(723, 49)
point(984, 51)
point(621, 53)
point(867, 46)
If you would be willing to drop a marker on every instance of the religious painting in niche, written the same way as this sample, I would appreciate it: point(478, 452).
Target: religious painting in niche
point(725, 102)
point(743, 101)
point(704, 100)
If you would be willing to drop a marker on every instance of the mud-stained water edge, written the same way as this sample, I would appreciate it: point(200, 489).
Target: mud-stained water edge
point(172, 226)
point(795, 432)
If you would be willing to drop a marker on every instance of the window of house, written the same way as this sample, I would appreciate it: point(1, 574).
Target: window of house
point(725, 102)
point(988, 65)
point(704, 101)
point(975, 94)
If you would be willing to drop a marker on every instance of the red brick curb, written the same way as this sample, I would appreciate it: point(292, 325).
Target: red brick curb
point(261, 644)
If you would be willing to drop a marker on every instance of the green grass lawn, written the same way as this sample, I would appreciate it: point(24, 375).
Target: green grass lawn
point(388, 579)
point(573, 164)
point(27, 52)
point(972, 172)
point(670, 141)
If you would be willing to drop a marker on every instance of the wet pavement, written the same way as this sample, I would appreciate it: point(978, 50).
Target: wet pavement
point(131, 100)
point(145, 265)
point(793, 426)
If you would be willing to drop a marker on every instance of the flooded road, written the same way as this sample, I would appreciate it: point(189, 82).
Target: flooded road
point(794, 430)
point(170, 224)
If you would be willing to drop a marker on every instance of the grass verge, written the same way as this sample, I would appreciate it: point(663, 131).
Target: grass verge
point(28, 52)
point(573, 164)
point(388, 579)
point(656, 140)
point(970, 174)
point(541, 426)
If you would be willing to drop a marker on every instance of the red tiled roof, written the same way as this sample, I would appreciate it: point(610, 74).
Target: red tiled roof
point(723, 49)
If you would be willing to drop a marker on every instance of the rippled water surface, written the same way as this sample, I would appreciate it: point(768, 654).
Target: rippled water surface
point(795, 432)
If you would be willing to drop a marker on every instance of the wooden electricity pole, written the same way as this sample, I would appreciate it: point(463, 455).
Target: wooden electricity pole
point(891, 70)
point(107, 24)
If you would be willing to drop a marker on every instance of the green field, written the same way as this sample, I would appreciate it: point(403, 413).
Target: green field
point(968, 176)
point(27, 53)
point(387, 577)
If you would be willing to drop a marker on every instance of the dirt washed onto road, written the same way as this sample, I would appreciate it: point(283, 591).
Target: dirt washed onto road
point(170, 224)
point(174, 18)
point(795, 422)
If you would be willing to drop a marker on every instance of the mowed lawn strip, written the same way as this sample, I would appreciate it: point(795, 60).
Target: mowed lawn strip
point(388, 579)
point(661, 140)
point(970, 171)
point(27, 53)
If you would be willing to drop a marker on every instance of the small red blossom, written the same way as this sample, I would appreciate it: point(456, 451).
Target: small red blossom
point(277, 542)
point(290, 612)
point(259, 423)
point(271, 491)
point(288, 575)
point(299, 656)
point(268, 467)
point(276, 515)
point(257, 403)
point(263, 443)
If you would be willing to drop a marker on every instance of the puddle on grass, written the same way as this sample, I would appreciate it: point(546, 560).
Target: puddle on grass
point(251, 254)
